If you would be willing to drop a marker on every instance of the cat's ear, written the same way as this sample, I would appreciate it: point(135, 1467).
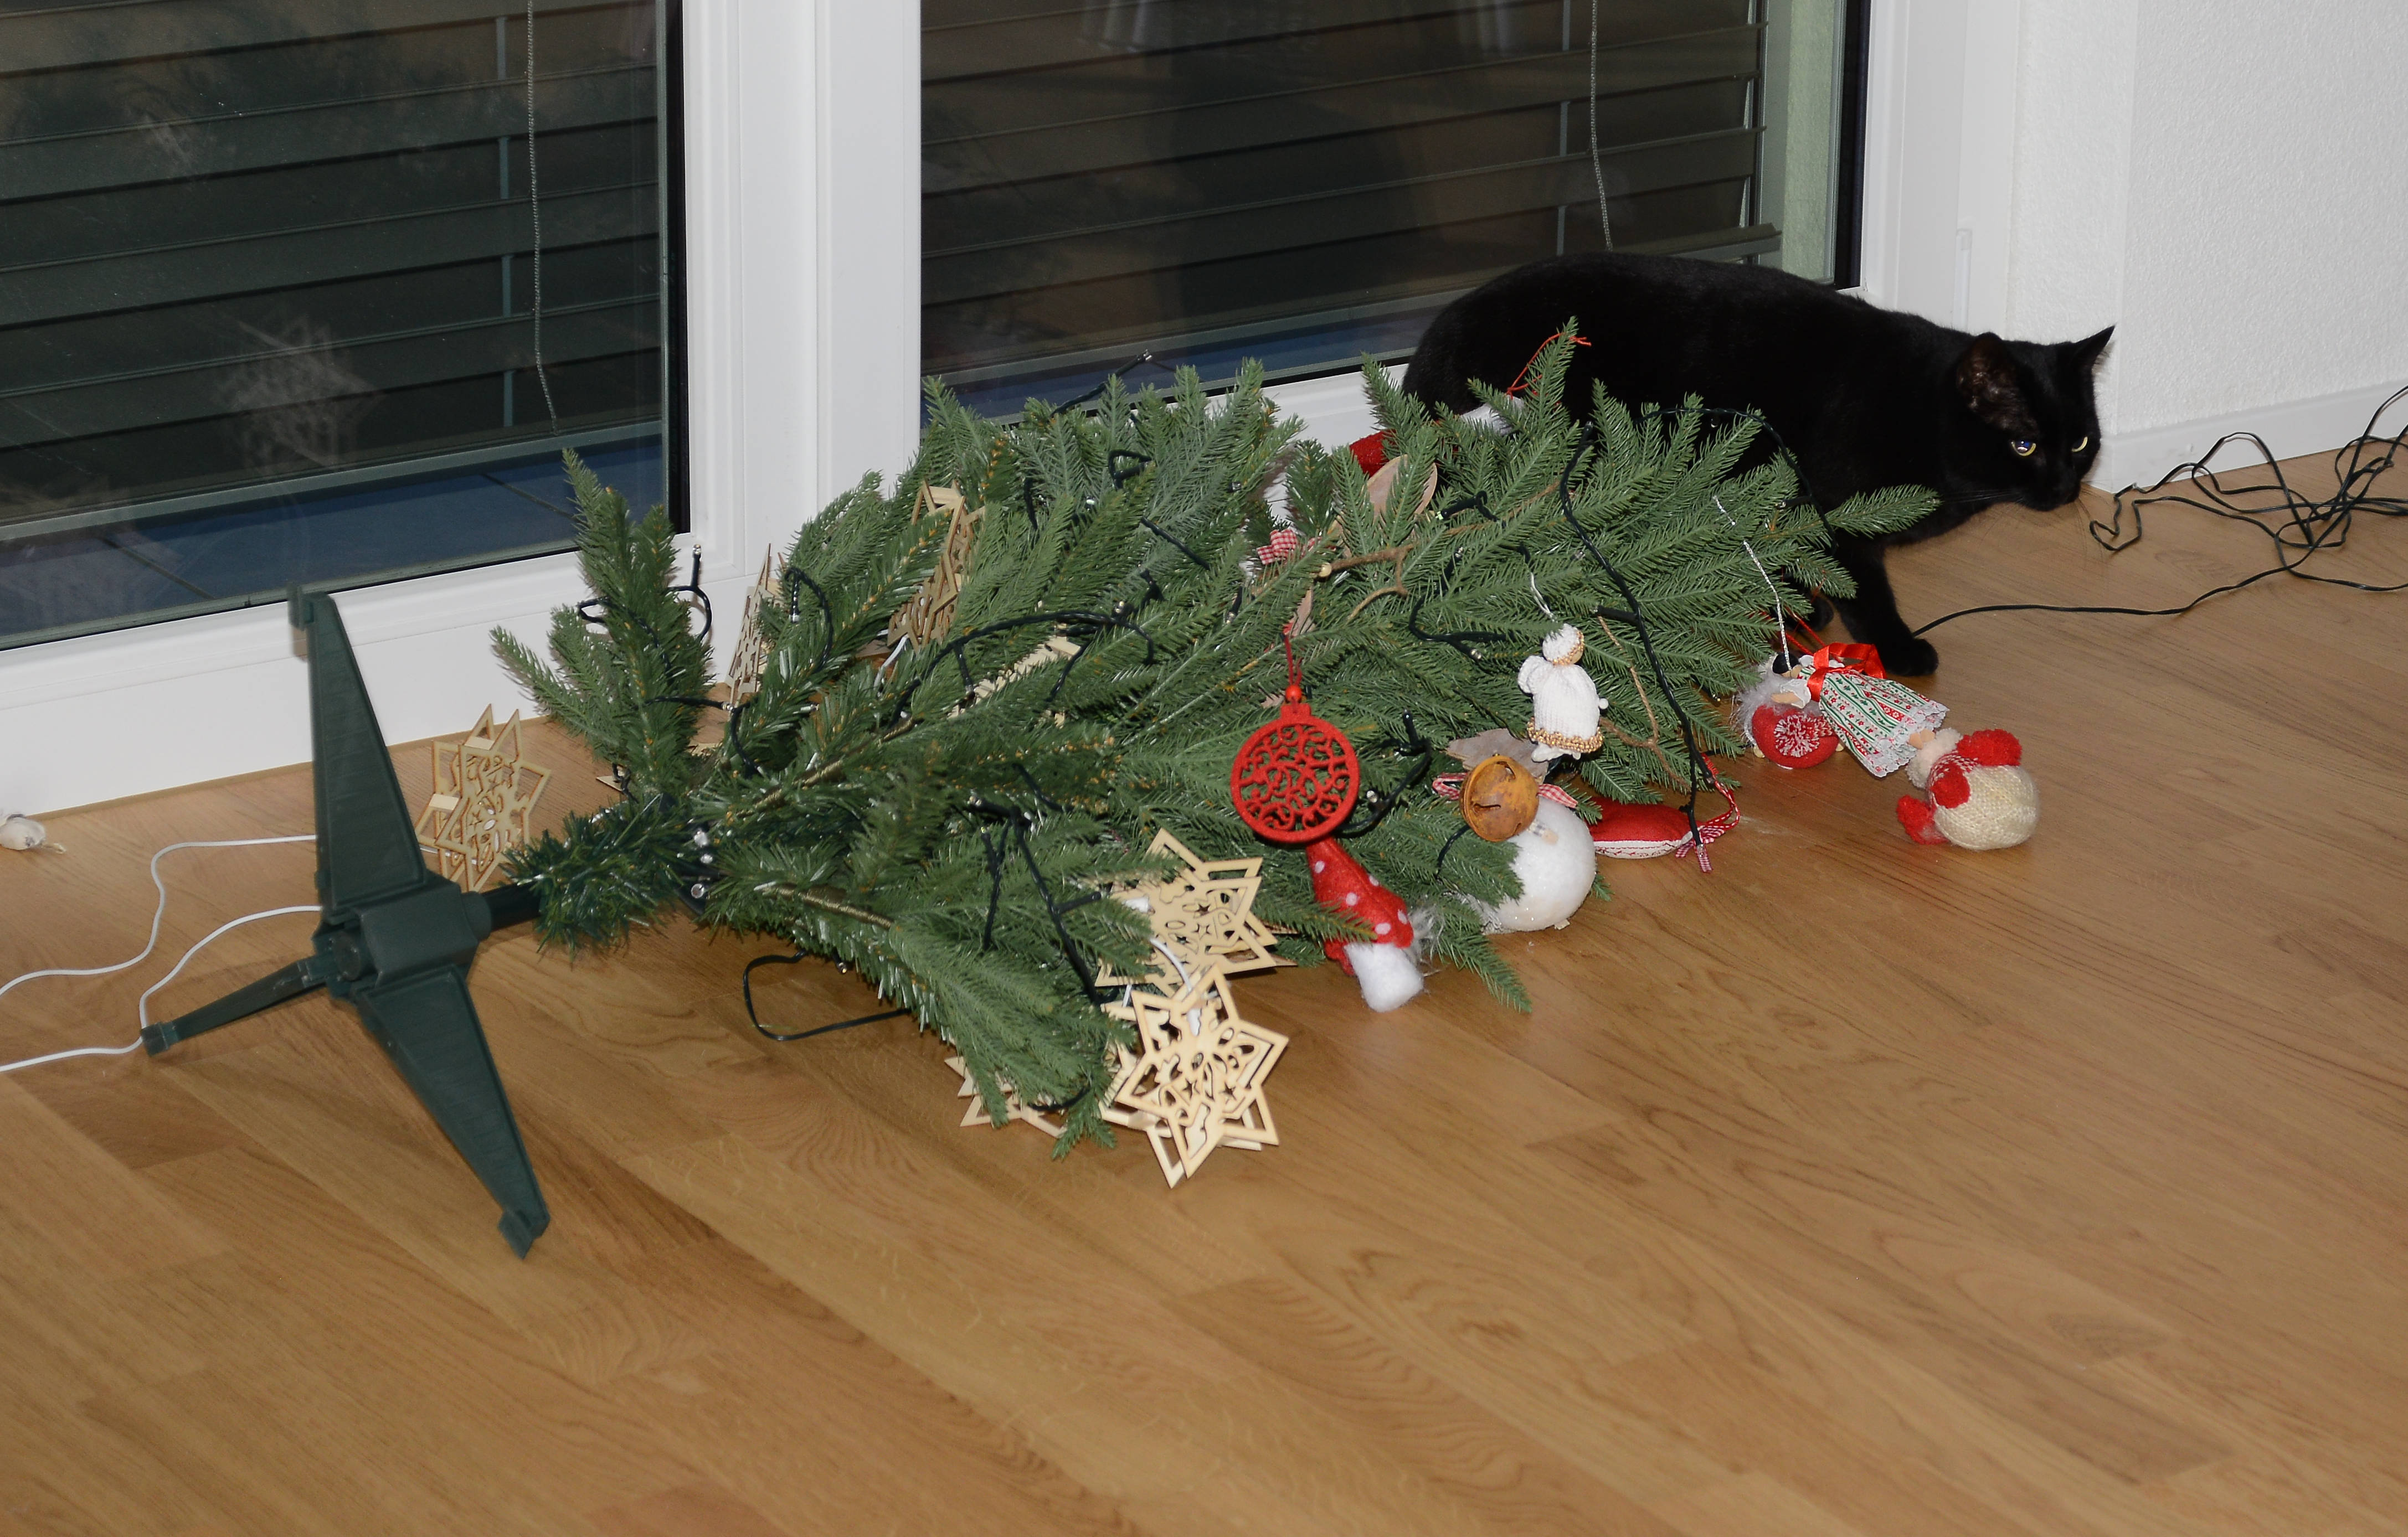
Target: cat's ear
point(2087, 351)
point(1986, 375)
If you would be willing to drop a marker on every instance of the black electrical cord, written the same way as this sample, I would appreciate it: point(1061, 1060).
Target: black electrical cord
point(1700, 773)
point(799, 1035)
point(2300, 526)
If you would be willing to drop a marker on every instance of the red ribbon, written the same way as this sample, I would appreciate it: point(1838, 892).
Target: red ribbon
point(1523, 377)
point(1863, 661)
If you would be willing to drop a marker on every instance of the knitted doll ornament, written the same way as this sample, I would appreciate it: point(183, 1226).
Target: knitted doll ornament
point(1876, 717)
point(1982, 797)
point(1564, 704)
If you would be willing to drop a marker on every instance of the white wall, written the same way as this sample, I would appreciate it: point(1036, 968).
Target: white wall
point(803, 235)
point(2222, 182)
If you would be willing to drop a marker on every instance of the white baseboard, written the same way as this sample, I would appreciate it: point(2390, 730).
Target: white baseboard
point(1333, 407)
point(169, 704)
point(2290, 428)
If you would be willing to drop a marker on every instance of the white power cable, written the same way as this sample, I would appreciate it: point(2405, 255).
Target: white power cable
point(142, 1007)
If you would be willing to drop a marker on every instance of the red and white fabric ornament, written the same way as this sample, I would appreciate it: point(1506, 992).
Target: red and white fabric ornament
point(1628, 831)
point(1982, 796)
point(1792, 738)
point(1780, 720)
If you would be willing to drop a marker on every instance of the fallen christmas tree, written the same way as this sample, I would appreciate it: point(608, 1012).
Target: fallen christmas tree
point(980, 697)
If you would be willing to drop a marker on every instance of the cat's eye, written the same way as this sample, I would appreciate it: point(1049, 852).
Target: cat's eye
point(2080, 443)
point(2022, 448)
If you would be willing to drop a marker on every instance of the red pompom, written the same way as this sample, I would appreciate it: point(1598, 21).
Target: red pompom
point(1949, 786)
point(1991, 748)
point(1916, 816)
point(1370, 451)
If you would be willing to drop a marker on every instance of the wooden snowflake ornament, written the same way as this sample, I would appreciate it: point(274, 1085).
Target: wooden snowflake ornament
point(483, 798)
point(1202, 913)
point(1194, 1083)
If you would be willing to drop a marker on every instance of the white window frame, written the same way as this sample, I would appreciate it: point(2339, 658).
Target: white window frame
point(803, 235)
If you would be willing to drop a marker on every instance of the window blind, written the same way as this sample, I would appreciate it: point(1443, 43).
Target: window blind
point(1181, 176)
point(242, 243)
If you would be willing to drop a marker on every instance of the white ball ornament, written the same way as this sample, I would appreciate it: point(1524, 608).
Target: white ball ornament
point(1557, 863)
point(19, 833)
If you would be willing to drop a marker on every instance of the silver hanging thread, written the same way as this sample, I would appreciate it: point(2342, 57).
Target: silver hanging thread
point(535, 218)
point(1596, 162)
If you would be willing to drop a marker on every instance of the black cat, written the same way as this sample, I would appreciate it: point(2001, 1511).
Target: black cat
point(1865, 397)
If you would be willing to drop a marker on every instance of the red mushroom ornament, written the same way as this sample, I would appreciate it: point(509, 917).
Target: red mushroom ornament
point(1384, 964)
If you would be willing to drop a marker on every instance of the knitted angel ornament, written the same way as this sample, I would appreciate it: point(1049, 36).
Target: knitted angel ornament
point(1564, 703)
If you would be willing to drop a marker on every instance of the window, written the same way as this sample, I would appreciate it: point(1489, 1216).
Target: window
point(1306, 180)
point(317, 291)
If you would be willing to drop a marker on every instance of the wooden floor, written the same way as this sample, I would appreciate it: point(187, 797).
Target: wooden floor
point(1855, 1189)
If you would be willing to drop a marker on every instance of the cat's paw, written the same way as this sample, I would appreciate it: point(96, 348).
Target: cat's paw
point(1908, 657)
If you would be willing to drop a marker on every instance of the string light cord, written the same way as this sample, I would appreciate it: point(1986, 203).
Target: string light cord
point(2299, 526)
point(142, 1006)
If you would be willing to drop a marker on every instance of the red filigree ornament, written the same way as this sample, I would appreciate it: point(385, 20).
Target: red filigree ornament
point(1297, 777)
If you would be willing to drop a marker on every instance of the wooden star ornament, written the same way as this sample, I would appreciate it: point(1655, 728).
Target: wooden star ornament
point(1193, 1082)
point(483, 800)
point(1203, 914)
point(1048, 1123)
point(751, 658)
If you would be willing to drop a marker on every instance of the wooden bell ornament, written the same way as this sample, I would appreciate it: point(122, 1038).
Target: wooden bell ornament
point(1501, 798)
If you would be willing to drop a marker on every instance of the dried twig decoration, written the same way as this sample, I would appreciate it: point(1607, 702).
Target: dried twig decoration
point(752, 653)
